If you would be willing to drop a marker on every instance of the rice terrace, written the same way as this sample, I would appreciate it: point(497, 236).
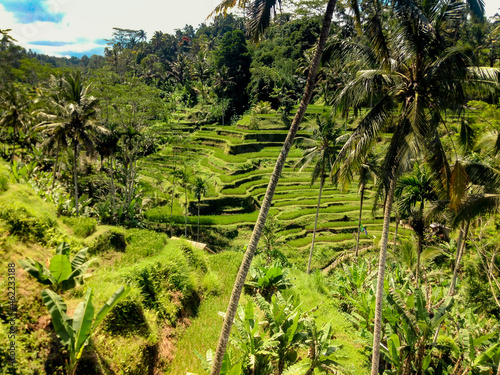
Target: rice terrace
point(296, 188)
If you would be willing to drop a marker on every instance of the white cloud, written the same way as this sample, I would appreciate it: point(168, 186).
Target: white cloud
point(93, 20)
point(86, 22)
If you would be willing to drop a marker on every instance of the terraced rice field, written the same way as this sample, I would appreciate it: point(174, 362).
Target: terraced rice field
point(237, 163)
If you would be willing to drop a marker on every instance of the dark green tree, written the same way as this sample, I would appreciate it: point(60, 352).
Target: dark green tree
point(234, 56)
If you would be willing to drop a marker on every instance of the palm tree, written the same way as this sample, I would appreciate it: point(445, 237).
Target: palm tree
point(183, 178)
point(413, 189)
point(16, 113)
point(199, 188)
point(266, 6)
point(72, 110)
point(107, 147)
point(419, 75)
point(327, 142)
point(367, 170)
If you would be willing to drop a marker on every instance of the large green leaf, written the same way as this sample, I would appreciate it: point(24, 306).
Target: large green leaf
point(76, 277)
point(79, 258)
point(120, 294)
point(63, 249)
point(60, 320)
point(486, 356)
point(38, 271)
point(60, 267)
point(82, 322)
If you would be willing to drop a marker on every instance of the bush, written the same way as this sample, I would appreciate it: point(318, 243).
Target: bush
point(82, 226)
point(143, 243)
point(26, 214)
point(166, 282)
point(195, 257)
point(4, 176)
point(111, 240)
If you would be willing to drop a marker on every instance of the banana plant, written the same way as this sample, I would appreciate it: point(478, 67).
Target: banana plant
point(285, 323)
point(258, 351)
point(411, 330)
point(480, 350)
point(74, 332)
point(228, 366)
point(62, 274)
point(267, 281)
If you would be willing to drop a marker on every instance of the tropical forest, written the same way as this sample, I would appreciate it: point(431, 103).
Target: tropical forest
point(289, 188)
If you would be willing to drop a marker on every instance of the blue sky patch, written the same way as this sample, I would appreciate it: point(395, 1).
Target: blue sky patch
point(28, 11)
point(90, 52)
point(51, 43)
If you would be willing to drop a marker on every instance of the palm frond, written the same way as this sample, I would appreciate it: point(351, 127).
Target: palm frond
point(225, 5)
point(259, 14)
point(365, 133)
point(476, 205)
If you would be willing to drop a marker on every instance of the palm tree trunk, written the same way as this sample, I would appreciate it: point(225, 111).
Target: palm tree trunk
point(377, 331)
point(55, 170)
point(460, 253)
point(419, 252)
point(322, 181)
point(113, 189)
point(198, 234)
point(185, 211)
point(266, 203)
point(359, 218)
point(395, 232)
point(75, 175)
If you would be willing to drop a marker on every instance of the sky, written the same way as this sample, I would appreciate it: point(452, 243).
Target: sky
point(80, 27)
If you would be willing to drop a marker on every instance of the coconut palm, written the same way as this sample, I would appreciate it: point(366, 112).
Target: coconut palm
point(411, 190)
point(327, 141)
point(72, 110)
point(266, 204)
point(199, 188)
point(418, 77)
point(183, 178)
point(15, 114)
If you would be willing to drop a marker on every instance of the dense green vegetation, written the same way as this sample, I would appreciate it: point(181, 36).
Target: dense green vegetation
point(106, 161)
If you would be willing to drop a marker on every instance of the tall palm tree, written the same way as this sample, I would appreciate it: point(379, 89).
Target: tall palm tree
point(415, 189)
point(72, 110)
point(199, 188)
point(15, 114)
point(266, 204)
point(419, 75)
point(183, 178)
point(327, 142)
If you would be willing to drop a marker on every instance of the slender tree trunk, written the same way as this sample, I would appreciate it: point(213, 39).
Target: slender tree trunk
point(395, 233)
point(55, 170)
point(359, 217)
point(266, 204)
point(173, 193)
point(198, 234)
point(185, 212)
point(460, 253)
point(321, 183)
point(75, 176)
point(498, 370)
point(377, 331)
point(113, 189)
point(419, 252)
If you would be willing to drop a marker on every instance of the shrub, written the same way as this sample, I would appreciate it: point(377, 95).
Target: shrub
point(4, 176)
point(26, 214)
point(195, 257)
point(160, 279)
point(211, 284)
point(82, 226)
point(143, 243)
point(111, 240)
